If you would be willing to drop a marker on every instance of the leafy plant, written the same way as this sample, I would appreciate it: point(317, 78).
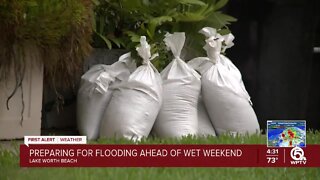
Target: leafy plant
point(61, 29)
point(120, 23)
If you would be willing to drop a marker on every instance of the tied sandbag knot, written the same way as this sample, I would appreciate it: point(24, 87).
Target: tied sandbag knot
point(144, 51)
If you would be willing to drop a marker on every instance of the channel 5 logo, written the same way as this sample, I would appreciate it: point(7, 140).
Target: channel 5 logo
point(297, 154)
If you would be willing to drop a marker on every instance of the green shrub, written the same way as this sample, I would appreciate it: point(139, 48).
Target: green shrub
point(120, 23)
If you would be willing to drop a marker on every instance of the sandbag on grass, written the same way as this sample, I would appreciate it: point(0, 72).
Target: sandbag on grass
point(135, 103)
point(94, 93)
point(205, 127)
point(227, 101)
point(181, 89)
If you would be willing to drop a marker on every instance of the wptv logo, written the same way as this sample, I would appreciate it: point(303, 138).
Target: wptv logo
point(297, 154)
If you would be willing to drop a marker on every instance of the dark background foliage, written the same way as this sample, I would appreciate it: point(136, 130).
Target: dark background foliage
point(274, 51)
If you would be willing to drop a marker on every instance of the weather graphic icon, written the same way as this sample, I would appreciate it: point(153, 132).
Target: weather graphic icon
point(285, 133)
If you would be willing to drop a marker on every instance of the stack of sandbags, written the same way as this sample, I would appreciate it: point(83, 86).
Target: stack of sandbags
point(224, 95)
point(181, 89)
point(94, 93)
point(136, 102)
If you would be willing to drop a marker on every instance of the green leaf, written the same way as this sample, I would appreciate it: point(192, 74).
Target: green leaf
point(115, 40)
point(225, 17)
point(107, 41)
point(157, 21)
point(101, 24)
point(220, 4)
point(205, 10)
point(150, 35)
point(133, 36)
point(189, 17)
point(192, 2)
point(219, 20)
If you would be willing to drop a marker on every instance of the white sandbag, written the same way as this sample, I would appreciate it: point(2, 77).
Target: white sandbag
point(135, 103)
point(218, 44)
point(200, 62)
point(227, 43)
point(181, 89)
point(205, 127)
point(227, 40)
point(94, 93)
point(227, 103)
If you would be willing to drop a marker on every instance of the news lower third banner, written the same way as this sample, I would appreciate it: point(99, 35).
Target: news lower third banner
point(285, 147)
point(91, 155)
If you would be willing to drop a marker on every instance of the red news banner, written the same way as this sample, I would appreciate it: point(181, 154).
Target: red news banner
point(87, 155)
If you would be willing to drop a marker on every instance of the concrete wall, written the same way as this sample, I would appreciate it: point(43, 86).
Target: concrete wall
point(24, 114)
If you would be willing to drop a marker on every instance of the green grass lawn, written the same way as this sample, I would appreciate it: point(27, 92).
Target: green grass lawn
point(9, 165)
